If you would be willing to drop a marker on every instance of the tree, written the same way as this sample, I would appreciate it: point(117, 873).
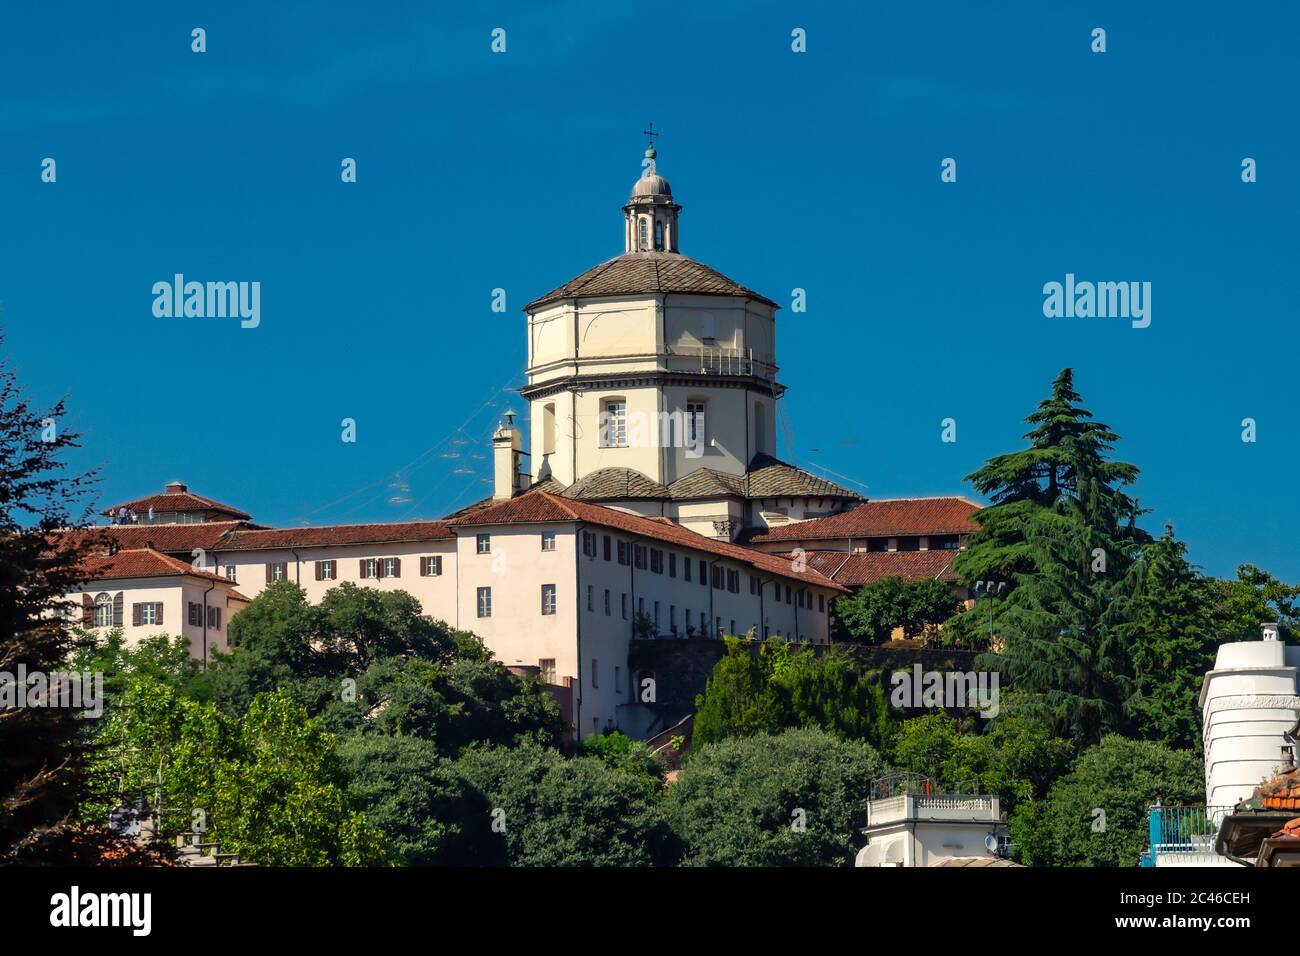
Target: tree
point(798, 798)
point(877, 609)
point(268, 785)
point(1119, 777)
point(780, 687)
point(1169, 634)
point(370, 662)
point(1242, 604)
point(429, 814)
point(1016, 758)
point(42, 749)
point(551, 811)
point(1063, 652)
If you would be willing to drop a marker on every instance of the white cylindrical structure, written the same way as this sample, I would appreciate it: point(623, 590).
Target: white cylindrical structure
point(1248, 704)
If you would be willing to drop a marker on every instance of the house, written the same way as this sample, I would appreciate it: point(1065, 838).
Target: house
point(911, 822)
point(645, 502)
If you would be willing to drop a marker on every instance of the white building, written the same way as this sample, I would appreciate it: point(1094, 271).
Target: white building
point(917, 826)
point(652, 386)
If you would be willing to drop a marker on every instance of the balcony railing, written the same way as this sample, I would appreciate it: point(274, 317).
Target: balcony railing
point(1183, 834)
point(723, 360)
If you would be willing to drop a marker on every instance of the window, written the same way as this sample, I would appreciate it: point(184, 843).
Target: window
point(909, 544)
point(656, 561)
point(613, 425)
point(548, 598)
point(672, 618)
point(787, 595)
point(659, 235)
point(877, 545)
point(431, 566)
point(607, 602)
point(733, 581)
point(546, 669)
point(625, 606)
point(821, 602)
point(638, 554)
point(277, 571)
point(606, 547)
point(149, 612)
point(588, 543)
point(214, 618)
point(390, 568)
point(591, 598)
point(103, 610)
point(643, 235)
point(369, 568)
point(326, 571)
point(672, 564)
point(548, 541)
point(196, 614)
point(695, 433)
point(753, 584)
point(717, 624)
point(595, 673)
point(622, 552)
point(640, 607)
point(704, 572)
point(717, 577)
point(733, 626)
point(230, 572)
point(483, 543)
point(944, 542)
point(484, 602)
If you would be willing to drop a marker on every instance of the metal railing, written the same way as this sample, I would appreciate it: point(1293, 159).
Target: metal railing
point(1187, 833)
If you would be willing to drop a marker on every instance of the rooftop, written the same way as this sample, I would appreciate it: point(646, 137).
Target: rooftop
point(884, 518)
point(648, 273)
point(175, 497)
point(138, 563)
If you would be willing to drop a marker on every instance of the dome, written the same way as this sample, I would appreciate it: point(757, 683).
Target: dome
point(652, 185)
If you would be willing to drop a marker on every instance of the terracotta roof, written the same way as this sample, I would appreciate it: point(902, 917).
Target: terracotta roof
point(642, 273)
point(540, 507)
point(1280, 793)
point(239, 597)
point(610, 483)
point(402, 531)
point(138, 563)
point(855, 570)
point(176, 501)
point(180, 538)
point(975, 861)
point(883, 518)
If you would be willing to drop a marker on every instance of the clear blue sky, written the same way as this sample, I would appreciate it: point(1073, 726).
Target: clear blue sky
point(818, 171)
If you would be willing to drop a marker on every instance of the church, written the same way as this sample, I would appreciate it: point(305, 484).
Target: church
point(645, 502)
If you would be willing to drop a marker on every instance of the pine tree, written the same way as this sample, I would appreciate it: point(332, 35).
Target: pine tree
point(1063, 652)
point(1170, 636)
point(41, 748)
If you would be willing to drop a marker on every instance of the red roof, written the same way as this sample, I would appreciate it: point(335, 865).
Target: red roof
point(172, 537)
point(176, 498)
point(138, 563)
point(855, 570)
point(881, 519)
point(1280, 793)
point(399, 531)
point(541, 506)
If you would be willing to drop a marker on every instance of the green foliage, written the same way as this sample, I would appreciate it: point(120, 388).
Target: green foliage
point(621, 752)
point(781, 687)
point(1241, 605)
point(1170, 635)
point(794, 799)
point(429, 815)
point(915, 606)
point(164, 659)
point(1016, 758)
point(1123, 778)
point(268, 785)
point(413, 676)
point(566, 812)
point(42, 749)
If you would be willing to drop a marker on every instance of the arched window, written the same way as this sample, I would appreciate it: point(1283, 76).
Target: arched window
point(548, 429)
point(645, 236)
point(659, 236)
point(760, 427)
point(103, 610)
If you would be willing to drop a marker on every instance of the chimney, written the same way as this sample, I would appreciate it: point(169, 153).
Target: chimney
point(507, 450)
point(1270, 631)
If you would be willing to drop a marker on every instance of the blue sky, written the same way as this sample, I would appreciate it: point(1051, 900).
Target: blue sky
point(818, 171)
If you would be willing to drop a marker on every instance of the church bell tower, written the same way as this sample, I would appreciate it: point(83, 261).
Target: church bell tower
point(650, 216)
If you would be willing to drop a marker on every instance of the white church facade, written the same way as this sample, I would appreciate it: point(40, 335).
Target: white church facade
point(645, 502)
